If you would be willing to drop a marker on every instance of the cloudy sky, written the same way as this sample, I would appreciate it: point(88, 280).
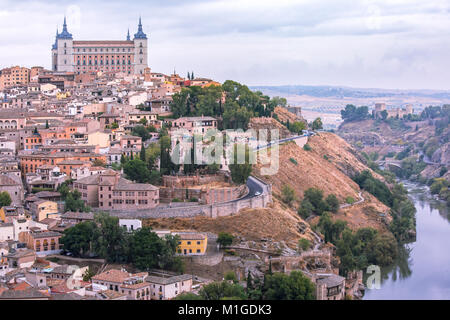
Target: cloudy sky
point(359, 43)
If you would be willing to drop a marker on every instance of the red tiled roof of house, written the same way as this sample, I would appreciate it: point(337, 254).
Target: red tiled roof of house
point(117, 276)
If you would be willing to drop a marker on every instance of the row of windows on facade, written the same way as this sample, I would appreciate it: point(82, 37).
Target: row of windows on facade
point(140, 51)
point(101, 49)
point(106, 50)
point(190, 251)
point(101, 62)
point(128, 194)
point(143, 293)
point(119, 201)
point(116, 287)
point(189, 243)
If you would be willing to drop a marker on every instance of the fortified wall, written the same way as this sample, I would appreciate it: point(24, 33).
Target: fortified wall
point(207, 189)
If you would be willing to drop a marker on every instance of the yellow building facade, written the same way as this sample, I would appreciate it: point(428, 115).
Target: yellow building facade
point(192, 244)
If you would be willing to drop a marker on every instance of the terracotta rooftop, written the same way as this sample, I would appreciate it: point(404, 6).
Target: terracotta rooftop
point(117, 276)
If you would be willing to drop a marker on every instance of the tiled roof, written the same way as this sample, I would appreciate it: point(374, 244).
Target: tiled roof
point(127, 185)
point(331, 280)
point(6, 180)
point(30, 293)
point(165, 281)
point(47, 234)
point(21, 253)
point(191, 236)
point(92, 180)
point(78, 215)
point(117, 276)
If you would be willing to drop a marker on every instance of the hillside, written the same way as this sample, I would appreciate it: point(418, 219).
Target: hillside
point(302, 169)
point(390, 138)
point(274, 223)
point(282, 223)
point(284, 115)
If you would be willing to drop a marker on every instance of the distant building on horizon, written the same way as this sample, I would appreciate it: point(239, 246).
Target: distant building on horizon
point(109, 56)
point(392, 113)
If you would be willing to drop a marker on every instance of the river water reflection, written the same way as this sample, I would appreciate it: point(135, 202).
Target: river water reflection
point(422, 270)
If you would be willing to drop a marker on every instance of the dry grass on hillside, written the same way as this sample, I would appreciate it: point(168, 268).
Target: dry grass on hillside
point(313, 170)
point(275, 223)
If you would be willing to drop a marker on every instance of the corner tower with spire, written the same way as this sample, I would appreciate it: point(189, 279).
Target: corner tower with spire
point(140, 50)
point(62, 51)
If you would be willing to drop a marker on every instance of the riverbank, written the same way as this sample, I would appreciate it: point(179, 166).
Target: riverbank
point(421, 270)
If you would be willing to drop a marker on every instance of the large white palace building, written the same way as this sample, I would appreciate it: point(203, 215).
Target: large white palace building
point(126, 56)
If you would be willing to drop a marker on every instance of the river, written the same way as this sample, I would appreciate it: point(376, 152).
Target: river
point(422, 270)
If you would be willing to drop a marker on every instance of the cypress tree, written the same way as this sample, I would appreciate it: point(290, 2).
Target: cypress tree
point(249, 281)
point(142, 155)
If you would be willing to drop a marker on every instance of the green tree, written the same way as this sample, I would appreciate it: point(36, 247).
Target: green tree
point(143, 121)
point(136, 170)
point(333, 203)
point(315, 197)
point(222, 290)
point(188, 296)
point(352, 113)
point(112, 243)
point(74, 203)
point(141, 131)
point(231, 276)
point(142, 155)
point(295, 286)
point(64, 190)
point(306, 209)
point(5, 199)
point(249, 281)
point(225, 239)
point(297, 127)
point(304, 244)
point(317, 124)
point(153, 152)
point(288, 194)
point(88, 274)
point(79, 239)
point(146, 248)
point(98, 163)
point(241, 171)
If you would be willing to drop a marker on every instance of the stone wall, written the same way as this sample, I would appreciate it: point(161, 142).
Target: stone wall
point(186, 181)
point(212, 210)
point(203, 195)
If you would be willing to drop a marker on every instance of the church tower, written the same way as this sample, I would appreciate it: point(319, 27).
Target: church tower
point(140, 50)
point(64, 51)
